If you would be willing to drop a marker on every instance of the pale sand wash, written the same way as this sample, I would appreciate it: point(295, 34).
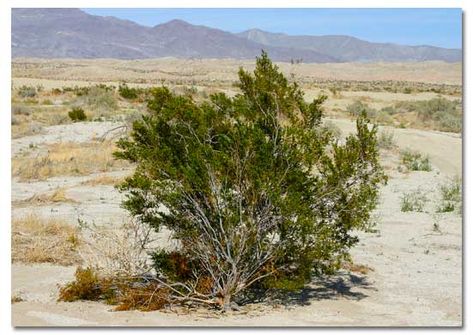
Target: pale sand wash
point(416, 278)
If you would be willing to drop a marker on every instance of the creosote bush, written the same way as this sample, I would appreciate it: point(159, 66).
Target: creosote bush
point(253, 189)
point(77, 114)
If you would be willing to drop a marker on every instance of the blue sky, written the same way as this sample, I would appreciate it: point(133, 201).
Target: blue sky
point(439, 27)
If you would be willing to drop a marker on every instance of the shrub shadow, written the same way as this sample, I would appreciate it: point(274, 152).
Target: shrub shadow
point(343, 285)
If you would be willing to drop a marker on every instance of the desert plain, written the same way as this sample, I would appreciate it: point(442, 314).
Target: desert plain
point(406, 271)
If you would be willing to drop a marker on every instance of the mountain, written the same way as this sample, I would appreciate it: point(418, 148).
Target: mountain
point(72, 33)
point(350, 49)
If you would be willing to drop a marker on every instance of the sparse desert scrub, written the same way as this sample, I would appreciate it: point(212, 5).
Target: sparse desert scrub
point(413, 201)
point(40, 240)
point(66, 159)
point(451, 196)
point(438, 113)
point(415, 161)
point(100, 101)
point(27, 91)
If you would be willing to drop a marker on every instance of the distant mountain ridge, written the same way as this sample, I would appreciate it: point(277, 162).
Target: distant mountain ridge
point(72, 33)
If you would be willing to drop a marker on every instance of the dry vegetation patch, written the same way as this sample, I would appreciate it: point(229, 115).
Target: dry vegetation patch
point(40, 240)
point(58, 195)
point(67, 159)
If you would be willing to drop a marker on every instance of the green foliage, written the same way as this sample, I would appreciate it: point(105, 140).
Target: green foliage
point(253, 187)
point(415, 161)
point(27, 91)
point(451, 196)
point(413, 201)
point(128, 92)
point(77, 114)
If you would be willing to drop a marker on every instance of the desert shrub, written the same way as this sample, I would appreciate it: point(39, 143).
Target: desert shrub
point(358, 107)
point(451, 196)
point(77, 114)
point(413, 201)
point(86, 286)
point(127, 92)
point(252, 188)
point(27, 91)
point(386, 140)
point(415, 161)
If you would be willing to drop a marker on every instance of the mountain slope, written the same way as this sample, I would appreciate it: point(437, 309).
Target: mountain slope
point(348, 49)
point(72, 33)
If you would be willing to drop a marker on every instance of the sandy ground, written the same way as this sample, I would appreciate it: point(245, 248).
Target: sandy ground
point(416, 277)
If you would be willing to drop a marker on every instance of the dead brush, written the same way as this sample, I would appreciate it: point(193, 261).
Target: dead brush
point(360, 268)
point(38, 240)
point(117, 251)
point(67, 159)
point(126, 293)
point(57, 196)
point(103, 180)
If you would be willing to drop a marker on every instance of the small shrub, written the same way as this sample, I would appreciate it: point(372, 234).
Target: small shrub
point(413, 201)
point(451, 196)
point(358, 107)
point(27, 91)
point(127, 92)
point(86, 286)
point(77, 114)
point(386, 140)
point(415, 161)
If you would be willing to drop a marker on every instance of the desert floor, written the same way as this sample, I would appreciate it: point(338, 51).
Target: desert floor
point(412, 260)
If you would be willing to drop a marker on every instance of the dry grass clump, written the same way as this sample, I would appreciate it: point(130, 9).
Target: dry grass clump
point(359, 268)
point(58, 195)
point(67, 159)
point(103, 180)
point(39, 240)
point(117, 269)
point(16, 298)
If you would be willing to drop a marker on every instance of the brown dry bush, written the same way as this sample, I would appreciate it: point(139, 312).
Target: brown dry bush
point(126, 293)
point(66, 159)
point(39, 240)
